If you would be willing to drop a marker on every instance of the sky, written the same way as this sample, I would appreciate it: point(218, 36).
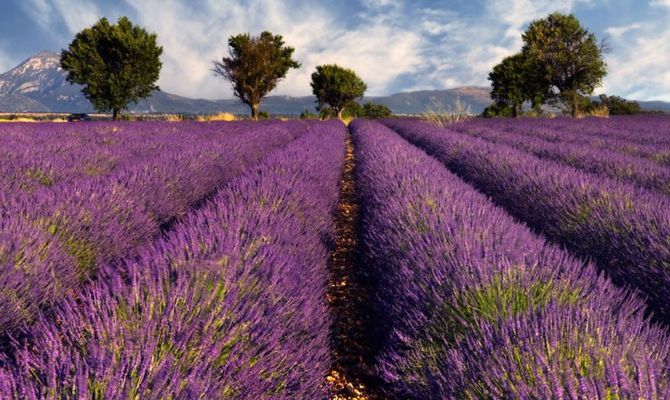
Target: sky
point(393, 45)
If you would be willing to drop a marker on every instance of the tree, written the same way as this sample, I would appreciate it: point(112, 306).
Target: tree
point(516, 80)
point(376, 111)
point(336, 86)
point(570, 58)
point(497, 109)
point(117, 64)
point(508, 83)
point(254, 66)
point(353, 109)
point(620, 106)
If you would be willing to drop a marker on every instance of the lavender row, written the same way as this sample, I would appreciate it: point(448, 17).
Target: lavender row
point(54, 239)
point(635, 130)
point(471, 304)
point(51, 155)
point(639, 171)
point(601, 140)
point(623, 228)
point(231, 304)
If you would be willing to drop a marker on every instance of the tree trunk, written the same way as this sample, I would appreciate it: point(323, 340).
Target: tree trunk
point(255, 111)
point(515, 111)
point(339, 113)
point(115, 114)
point(574, 106)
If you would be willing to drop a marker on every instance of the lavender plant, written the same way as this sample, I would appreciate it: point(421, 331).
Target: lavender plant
point(623, 228)
point(471, 304)
point(64, 230)
point(230, 304)
point(587, 135)
point(630, 168)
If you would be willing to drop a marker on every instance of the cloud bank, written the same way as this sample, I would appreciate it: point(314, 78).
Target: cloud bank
point(394, 45)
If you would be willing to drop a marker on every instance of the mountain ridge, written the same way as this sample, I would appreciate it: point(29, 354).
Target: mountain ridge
point(38, 84)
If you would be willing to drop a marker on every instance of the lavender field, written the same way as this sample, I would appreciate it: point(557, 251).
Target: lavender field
point(392, 259)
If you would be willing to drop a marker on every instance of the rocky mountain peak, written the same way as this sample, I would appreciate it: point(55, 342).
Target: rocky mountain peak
point(38, 74)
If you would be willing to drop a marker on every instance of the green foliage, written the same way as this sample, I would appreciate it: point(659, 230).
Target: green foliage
point(355, 110)
point(517, 80)
point(327, 112)
point(352, 110)
point(116, 64)
point(507, 82)
point(308, 115)
point(376, 111)
point(255, 66)
point(568, 56)
point(498, 110)
point(336, 86)
point(619, 106)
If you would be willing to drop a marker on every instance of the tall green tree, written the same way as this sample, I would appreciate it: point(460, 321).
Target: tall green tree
point(569, 56)
point(117, 64)
point(619, 106)
point(337, 87)
point(255, 65)
point(507, 83)
point(517, 80)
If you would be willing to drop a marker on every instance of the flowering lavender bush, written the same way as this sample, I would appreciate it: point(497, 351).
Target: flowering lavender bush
point(230, 304)
point(639, 130)
point(66, 221)
point(594, 134)
point(471, 304)
point(626, 167)
point(623, 228)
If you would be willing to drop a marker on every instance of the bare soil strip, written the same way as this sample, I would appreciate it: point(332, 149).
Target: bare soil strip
point(346, 296)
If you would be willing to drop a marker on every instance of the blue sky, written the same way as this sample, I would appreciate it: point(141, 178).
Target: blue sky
point(394, 45)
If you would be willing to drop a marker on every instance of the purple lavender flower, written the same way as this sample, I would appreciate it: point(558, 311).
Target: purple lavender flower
point(230, 304)
point(468, 303)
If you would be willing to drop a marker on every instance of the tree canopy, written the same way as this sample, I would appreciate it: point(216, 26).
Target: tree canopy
point(515, 81)
point(336, 86)
point(619, 106)
point(567, 54)
point(560, 62)
point(117, 64)
point(255, 65)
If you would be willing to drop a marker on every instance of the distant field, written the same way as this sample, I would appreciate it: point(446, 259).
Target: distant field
point(392, 259)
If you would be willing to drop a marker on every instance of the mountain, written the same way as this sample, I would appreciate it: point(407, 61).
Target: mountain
point(474, 97)
point(38, 85)
point(655, 105)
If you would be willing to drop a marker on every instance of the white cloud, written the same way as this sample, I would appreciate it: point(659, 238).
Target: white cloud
point(51, 14)
point(77, 14)
point(39, 11)
point(469, 46)
point(194, 36)
point(517, 14)
point(393, 44)
point(617, 32)
point(638, 68)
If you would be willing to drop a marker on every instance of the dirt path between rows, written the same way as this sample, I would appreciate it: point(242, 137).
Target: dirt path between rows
point(346, 296)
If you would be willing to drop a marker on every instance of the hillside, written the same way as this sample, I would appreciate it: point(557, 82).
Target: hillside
point(38, 85)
